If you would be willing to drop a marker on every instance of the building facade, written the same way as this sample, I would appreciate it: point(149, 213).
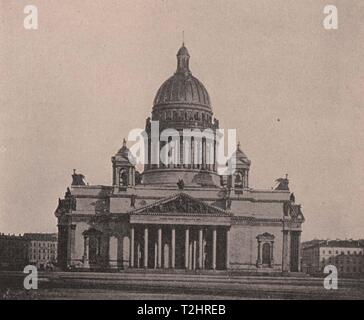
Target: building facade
point(183, 214)
point(13, 252)
point(42, 249)
point(18, 251)
point(346, 255)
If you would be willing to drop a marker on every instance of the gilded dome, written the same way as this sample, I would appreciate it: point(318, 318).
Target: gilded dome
point(182, 87)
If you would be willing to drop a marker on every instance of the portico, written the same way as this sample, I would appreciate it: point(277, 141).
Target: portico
point(173, 234)
point(178, 247)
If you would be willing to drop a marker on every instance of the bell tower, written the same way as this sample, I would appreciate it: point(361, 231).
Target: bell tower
point(239, 180)
point(123, 169)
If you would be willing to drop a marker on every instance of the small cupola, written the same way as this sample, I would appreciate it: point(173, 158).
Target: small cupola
point(183, 60)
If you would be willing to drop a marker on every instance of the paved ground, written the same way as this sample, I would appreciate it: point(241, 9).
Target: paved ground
point(87, 285)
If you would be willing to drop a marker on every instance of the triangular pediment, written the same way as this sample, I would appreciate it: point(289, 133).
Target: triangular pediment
point(180, 204)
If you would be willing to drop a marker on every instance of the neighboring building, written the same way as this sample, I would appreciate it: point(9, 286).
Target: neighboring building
point(13, 252)
point(42, 249)
point(182, 215)
point(346, 255)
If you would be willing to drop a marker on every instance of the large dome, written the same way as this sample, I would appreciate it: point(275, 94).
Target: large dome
point(182, 87)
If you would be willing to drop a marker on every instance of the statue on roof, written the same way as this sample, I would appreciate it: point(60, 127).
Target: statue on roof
point(292, 198)
point(68, 193)
point(78, 179)
point(181, 184)
point(282, 183)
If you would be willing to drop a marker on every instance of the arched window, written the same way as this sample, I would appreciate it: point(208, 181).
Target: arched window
point(123, 177)
point(239, 178)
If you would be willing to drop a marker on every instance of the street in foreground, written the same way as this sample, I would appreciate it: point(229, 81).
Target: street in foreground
point(86, 285)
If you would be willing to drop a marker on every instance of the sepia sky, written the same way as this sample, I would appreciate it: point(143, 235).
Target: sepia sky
point(71, 90)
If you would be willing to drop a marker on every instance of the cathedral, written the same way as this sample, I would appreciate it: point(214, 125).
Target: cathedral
point(181, 215)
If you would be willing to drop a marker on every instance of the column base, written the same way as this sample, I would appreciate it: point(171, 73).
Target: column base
point(126, 264)
point(86, 263)
point(113, 264)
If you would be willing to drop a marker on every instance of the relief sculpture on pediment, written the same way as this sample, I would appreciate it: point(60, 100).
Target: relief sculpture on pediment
point(180, 206)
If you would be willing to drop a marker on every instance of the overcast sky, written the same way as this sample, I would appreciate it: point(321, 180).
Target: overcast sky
point(71, 90)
